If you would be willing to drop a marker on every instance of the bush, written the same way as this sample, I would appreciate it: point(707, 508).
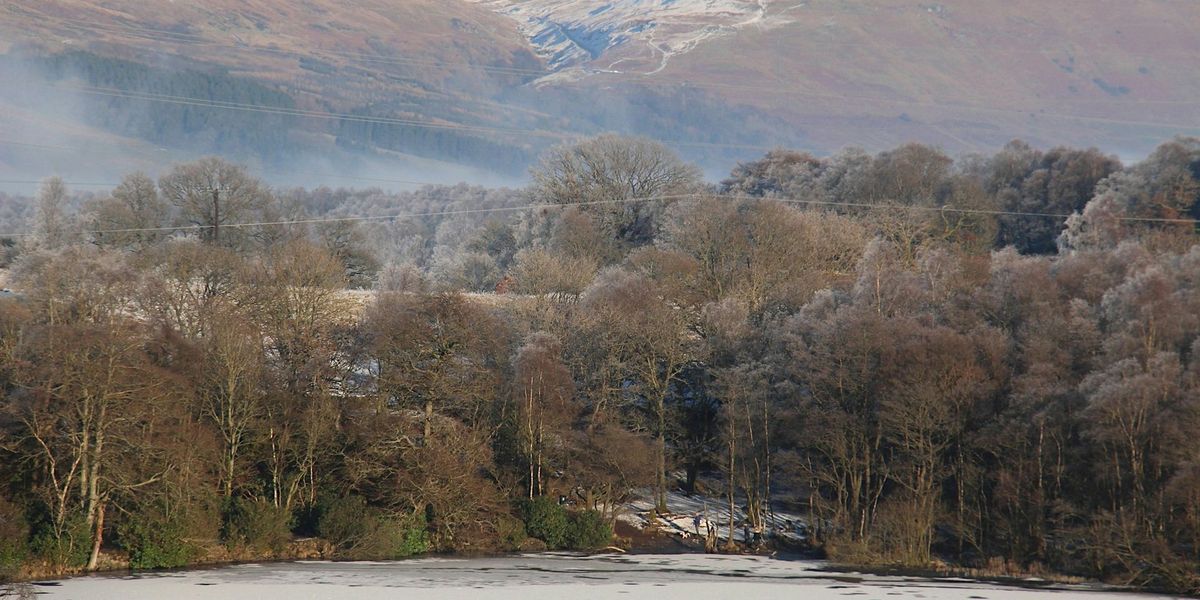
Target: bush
point(155, 541)
point(67, 547)
point(359, 531)
point(546, 520)
point(588, 531)
point(511, 532)
point(14, 533)
point(397, 537)
point(255, 524)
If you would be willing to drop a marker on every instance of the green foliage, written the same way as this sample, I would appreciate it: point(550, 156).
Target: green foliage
point(511, 532)
point(155, 541)
point(400, 537)
point(14, 534)
point(359, 531)
point(67, 546)
point(546, 520)
point(255, 524)
point(588, 530)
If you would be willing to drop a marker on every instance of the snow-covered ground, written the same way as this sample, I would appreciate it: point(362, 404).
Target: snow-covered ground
point(641, 36)
point(715, 511)
point(537, 577)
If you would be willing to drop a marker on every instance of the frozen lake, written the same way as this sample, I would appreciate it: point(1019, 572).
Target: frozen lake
point(536, 577)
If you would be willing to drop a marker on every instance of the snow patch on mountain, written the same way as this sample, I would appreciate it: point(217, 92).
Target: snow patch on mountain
point(625, 35)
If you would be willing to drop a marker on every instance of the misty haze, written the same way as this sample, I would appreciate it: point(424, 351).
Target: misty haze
point(611, 298)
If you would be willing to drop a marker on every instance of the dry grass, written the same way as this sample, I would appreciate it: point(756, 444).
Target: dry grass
point(265, 38)
point(966, 74)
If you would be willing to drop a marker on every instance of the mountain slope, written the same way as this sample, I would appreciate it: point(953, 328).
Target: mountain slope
point(492, 82)
point(603, 35)
point(959, 73)
point(418, 61)
point(968, 75)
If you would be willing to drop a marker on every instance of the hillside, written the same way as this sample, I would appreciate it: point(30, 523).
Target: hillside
point(385, 86)
point(304, 46)
point(965, 75)
point(371, 58)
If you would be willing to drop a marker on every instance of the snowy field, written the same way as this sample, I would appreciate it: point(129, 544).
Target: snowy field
point(538, 577)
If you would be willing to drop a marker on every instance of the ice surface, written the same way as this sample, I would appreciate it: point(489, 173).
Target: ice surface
point(537, 577)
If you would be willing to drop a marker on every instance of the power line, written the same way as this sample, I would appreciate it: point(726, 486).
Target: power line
point(322, 220)
point(740, 197)
point(32, 145)
point(481, 129)
point(74, 183)
point(292, 112)
point(295, 112)
point(660, 197)
point(257, 108)
point(265, 175)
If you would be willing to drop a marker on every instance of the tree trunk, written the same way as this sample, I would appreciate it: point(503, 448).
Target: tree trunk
point(428, 421)
point(729, 545)
point(660, 490)
point(97, 539)
point(93, 474)
point(216, 232)
point(227, 484)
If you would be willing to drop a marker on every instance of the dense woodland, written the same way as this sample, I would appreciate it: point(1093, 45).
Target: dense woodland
point(989, 360)
point(196, 107)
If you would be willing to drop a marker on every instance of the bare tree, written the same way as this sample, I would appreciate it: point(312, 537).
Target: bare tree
point(88, 395)
point(609, 171)
point(539, 272)
point(53, 224)
point(438, 354)
point(132, 217)
point(230, 387)
point(293, 294)
point(543, 401)
point(187, 283)
point(210, 194)
point(648, 340)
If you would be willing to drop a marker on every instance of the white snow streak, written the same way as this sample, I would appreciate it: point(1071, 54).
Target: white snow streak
point(577, 37)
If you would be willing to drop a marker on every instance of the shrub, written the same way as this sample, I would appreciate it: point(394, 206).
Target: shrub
point(341, 521)
point(67, 546)
point(14, 533)
point(359, 531)
point(546, 520)
point(255, 524)
point(155, 541)
point(511, 532)
point(588, 530)
point(398, 537)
